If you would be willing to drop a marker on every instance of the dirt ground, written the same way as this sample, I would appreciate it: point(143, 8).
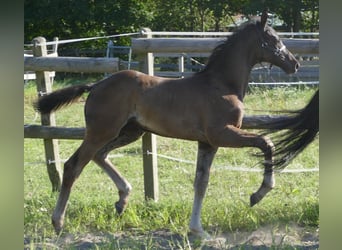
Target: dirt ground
point(266, 237)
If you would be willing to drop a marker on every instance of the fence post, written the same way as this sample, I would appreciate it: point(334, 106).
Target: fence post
point(181, 65)
point(50, 145)
point(149, 140)
point(55, 45)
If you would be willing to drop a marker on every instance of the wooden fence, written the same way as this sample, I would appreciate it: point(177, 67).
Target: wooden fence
point(41, 63)
point(31, 75)
point(202, 45)
point(187, 48)
point(144, 49)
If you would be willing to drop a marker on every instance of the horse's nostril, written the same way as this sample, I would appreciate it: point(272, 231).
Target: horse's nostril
point(297, 66)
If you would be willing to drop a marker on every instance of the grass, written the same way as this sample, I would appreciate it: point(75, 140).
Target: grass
point(226, 205)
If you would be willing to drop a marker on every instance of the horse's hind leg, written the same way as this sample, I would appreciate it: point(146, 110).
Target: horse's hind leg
point(72, 169)
point(234, 137)
point(130, 133)
point(121, 183)
point(99, 132)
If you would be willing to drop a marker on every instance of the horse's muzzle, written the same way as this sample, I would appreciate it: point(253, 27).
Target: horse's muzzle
point(290, 68)
point(297, 67)
point(292, 64)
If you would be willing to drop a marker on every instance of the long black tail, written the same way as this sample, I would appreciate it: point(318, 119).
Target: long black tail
point(59, 98)
point(301, 128)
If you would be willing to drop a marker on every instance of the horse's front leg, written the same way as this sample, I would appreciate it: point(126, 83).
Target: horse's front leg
point(268, 182)
point(205, 158)
point(234, 137)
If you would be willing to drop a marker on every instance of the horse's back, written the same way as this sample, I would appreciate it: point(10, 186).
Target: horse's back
point(179, 108)
point(116, 99)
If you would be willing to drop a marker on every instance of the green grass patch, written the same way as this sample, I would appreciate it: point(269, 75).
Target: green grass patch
point(226, 205)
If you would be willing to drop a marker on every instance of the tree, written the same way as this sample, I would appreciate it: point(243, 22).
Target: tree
point(310, 15)
point(292, 12)
point(176, 15)
point(87, 18)
point(223, 11)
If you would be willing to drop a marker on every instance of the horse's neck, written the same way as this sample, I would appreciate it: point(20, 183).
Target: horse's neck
point(243, 60)
point(236, 77)
point(241, 76)
point(233, 66)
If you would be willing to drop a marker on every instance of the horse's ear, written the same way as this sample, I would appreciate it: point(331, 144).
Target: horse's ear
point(264, 16)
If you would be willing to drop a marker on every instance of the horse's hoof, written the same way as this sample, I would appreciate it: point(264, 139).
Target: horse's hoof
point(118, 208)
point(58, 228)
point(254, 199)
point(203, 235)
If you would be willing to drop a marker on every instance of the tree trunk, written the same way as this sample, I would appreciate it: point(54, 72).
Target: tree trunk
point(296, 20)
point(217, 24)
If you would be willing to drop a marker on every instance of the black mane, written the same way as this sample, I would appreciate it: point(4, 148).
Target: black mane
point(223, 50)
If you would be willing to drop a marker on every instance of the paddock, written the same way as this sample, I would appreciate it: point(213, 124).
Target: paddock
point(234, 176)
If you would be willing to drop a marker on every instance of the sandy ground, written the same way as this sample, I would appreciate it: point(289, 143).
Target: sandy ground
point(266, 237)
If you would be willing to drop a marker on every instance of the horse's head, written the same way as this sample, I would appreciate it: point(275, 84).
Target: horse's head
point(273, 50)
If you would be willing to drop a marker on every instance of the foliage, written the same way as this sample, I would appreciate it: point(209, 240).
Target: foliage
point(84, 18)
point(88, 18)
point(294, 13)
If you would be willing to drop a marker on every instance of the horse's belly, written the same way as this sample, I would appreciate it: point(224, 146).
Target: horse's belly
point(174, 128)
